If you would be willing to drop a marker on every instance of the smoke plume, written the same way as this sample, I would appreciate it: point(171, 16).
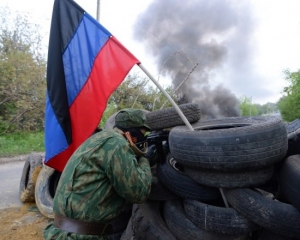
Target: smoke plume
point(194, 39)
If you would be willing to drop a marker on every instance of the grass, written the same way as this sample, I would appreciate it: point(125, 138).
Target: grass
point(21, 143)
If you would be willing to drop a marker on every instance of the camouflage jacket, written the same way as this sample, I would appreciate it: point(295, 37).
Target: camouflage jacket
point(101, 174)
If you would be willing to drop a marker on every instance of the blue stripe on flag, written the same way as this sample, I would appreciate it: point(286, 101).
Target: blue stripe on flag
point(81, 52)
point(55, 139)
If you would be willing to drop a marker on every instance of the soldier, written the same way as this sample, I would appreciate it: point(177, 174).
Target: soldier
point(108, 169)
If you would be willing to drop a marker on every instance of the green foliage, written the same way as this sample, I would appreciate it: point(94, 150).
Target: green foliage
point(135, 92)
point(247, 108)
point(110, 110)
point(266, 109)
point(22, 75)
point(290, 102)
point(21, 143)
point(253, 109)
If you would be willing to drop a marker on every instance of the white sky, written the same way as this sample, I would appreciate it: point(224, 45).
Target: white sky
point(277, 36)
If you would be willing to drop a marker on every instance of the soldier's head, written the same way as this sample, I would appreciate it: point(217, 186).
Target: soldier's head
point(133, 121)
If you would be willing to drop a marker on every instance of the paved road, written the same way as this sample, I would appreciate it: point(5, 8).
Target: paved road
point(10, 175)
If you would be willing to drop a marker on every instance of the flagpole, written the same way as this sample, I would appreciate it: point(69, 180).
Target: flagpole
point(178, 110)
point(98, 10)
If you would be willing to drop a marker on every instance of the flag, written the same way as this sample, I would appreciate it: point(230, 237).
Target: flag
point(85, 65)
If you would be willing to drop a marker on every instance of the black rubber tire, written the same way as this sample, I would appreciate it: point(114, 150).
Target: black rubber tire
point(165, 118)
point(119, 224)
point(168, 117)
point(273, 215)
point(147, 222)
point(45, 190)
point(250, 178)
point(182, 185)
point(230, 144)
point(293, 146)
point(32, 167)
point(293, 128)
point(265, 234)
point(289, 180)
point(217, 219)
point(115, 236)
point(272, 186)
point(110, 122)
point(293, 134)
point(128, 233)
point(159, 192)
point(184, 229)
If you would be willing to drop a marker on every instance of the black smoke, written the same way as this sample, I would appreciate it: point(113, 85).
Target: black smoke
point(184, 34)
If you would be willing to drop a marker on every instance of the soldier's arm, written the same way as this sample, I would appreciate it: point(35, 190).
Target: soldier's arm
point(130, 178)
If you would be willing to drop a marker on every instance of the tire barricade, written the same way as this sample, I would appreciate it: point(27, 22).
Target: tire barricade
point(247, 157)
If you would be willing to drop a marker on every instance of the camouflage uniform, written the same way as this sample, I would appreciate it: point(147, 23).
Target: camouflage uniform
point(97, 179)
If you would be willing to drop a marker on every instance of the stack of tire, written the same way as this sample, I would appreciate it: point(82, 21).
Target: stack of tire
point(234, 156)
point(230, 178)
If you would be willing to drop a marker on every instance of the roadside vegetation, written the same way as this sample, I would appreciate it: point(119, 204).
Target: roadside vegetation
point(290, 101)
point(21, 143)
point(23, 90)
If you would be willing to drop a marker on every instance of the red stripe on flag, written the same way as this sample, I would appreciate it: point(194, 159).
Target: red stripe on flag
point(110, 68)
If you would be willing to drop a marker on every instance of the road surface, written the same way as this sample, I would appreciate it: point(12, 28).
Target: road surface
point(10, 175)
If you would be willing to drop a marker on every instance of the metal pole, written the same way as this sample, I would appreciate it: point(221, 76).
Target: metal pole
point(250, 106)
point(178, 110)
point(98, 10)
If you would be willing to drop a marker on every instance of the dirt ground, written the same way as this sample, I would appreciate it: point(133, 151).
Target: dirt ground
point(22, 223)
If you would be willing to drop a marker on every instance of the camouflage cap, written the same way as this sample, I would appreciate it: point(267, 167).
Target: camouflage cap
point(130, 117)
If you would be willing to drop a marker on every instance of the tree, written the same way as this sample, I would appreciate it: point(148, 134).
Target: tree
point(136, 92)
point(247, 108)
point(289, 104)
point(22, 75)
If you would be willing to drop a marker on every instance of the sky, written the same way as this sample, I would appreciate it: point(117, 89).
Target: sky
point(239, 46)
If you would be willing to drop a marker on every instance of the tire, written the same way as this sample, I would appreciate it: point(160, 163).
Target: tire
point(45, 190)
point(31, 170)
point(275, 216)
point(159, 192)
point(119, 224)
point(168, 117)
point(265, 234)
point(110, 122)
point(128, 233)
point(115, 236)
point(293, 135)
point(184, 229)
point(272, 186)
point(289, 180)
point(293, 146)
point(251, 178)
point(165, 118)
point(230, 144)
point(182, 185)
point(217, 219)
point(292, 128)
point(147, 222)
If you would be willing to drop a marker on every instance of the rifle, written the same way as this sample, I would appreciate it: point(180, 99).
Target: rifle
point(161, 140)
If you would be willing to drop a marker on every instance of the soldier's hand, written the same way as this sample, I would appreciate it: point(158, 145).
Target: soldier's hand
point(151, 155)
